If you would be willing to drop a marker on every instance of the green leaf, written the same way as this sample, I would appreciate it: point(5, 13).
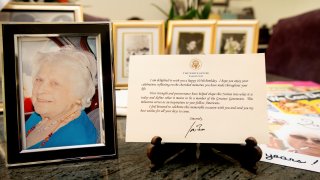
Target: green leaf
point(191, 14)
point(178, 17)
point(206, 10)
point(171, 12)
point(198, 15)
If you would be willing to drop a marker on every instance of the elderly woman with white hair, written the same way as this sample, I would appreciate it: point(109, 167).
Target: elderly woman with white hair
point(63, 85)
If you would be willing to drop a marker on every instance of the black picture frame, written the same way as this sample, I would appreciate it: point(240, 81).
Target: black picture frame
point(14, 114)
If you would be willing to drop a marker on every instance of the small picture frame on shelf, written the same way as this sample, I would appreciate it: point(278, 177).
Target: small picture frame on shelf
point(41, 12)
point(190, 36)
point(134, 38)
point(57, 81)
point(236, 36)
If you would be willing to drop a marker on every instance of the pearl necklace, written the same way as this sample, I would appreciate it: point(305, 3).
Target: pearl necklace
point(57, 124)
point(41, 128)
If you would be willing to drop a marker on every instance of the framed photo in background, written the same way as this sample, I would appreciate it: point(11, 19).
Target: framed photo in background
point(134, 38)
point(57, 81)
point(41, 12)
point(236, 36)
point(190, 36)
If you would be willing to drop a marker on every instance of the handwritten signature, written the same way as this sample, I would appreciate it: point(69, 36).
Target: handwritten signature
point(195, 126)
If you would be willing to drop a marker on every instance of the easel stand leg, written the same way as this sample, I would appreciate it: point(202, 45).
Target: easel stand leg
point(159, 153)
point(246, 154)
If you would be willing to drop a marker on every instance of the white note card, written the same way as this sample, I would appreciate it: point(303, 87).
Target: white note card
point(197, 98)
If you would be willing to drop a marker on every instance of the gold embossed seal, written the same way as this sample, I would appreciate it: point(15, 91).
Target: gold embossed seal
point(195, 64)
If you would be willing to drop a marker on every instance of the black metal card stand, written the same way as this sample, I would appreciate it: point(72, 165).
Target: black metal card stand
point(247, 154)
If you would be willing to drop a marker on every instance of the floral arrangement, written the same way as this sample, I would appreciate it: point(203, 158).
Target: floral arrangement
point(187, 9)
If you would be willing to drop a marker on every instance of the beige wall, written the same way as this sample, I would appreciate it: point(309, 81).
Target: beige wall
point(266, 11)
point(124, 9)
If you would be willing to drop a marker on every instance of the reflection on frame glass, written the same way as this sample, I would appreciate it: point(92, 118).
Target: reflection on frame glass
point(60, 92)
point(41, 12)
point(135, 38)
point(190, 36)
point(236, 37)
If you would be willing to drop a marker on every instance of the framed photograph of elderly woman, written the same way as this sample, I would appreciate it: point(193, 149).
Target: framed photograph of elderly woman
point(41, 12)
point(190, 36)
point(57, 80)
point(134, 38)
point(236, 36)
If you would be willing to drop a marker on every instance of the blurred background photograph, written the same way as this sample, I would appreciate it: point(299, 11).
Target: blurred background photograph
point(190, 43)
